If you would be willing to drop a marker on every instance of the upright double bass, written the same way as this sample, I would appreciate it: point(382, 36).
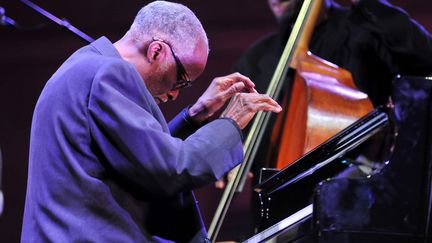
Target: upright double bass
point(323, 100)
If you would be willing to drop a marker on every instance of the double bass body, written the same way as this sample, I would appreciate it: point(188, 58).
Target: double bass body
point(324, 101)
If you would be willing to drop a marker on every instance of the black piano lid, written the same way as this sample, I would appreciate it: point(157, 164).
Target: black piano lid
point(333, 148)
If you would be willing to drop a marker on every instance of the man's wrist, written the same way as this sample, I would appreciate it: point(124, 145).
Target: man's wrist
point(198, 113)
point(190, 119)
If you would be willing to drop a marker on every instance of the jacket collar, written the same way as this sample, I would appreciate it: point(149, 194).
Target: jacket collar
point(105, 47)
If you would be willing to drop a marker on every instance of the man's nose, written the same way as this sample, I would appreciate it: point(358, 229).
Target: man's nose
point(172, 95)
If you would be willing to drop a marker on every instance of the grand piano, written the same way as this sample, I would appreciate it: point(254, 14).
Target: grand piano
point(318, 199)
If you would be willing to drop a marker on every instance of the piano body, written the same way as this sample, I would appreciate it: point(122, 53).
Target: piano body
point(309, 201)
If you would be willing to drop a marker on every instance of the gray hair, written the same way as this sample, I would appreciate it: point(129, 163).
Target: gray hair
point(171, 22)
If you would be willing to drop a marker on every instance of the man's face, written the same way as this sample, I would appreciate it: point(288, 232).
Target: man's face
point(285, 9)
point(175, 72)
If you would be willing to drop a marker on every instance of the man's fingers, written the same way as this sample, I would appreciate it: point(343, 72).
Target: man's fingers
point(268, 107)
point(243, 107)
point(231, 79)
point(258, 102)
point(248, 83)
point(267, 100)
point(220, 184)
point(234, 89)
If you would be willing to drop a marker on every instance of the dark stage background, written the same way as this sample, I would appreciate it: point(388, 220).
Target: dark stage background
point(29, 57)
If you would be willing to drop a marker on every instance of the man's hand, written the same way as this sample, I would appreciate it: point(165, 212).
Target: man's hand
point(222, 182)
point(243, 107)
point(220, 90)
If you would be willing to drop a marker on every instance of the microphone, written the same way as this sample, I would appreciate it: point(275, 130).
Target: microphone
point(5, 20)
point(2, 14)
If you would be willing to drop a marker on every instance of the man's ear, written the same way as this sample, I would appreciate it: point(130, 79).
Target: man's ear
point(155, 51)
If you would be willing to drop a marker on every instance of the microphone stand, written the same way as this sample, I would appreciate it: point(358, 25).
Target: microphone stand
point(1, 192)
point(62, 22)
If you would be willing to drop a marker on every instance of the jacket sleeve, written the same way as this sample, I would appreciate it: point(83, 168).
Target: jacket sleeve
point(408, 42)
point(135, 146)
point(182, 126)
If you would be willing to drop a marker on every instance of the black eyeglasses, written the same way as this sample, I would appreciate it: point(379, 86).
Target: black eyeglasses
point(183, 80)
